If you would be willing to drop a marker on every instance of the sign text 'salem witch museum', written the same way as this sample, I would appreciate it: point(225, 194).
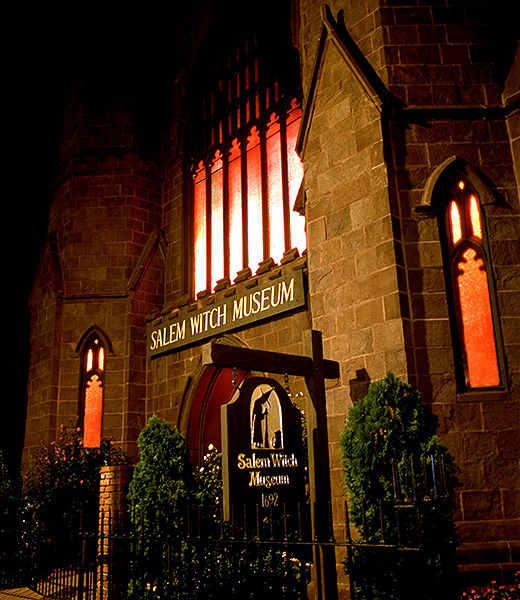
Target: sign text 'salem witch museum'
point(276, 297)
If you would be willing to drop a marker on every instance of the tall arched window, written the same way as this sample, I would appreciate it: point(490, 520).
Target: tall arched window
point(93, 356)
point(245, 174)
point(470, 285)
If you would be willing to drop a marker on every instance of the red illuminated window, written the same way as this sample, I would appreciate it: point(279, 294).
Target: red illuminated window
point(472, 287)
point(246, 175)
point(93, 356)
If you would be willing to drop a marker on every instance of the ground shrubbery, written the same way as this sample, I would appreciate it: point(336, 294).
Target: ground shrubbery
point(62, 482)
point(183, 547)
point(13, 562)
point(59, 494)
point(393, 425)
point(495, 591)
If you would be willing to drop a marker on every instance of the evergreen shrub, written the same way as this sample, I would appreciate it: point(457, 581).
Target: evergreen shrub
point(180, 548)
point(393, 426)
point(14, 562)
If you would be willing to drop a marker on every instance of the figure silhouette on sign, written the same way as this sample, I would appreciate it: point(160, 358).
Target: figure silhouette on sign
point(260, 416)
point(266, 418)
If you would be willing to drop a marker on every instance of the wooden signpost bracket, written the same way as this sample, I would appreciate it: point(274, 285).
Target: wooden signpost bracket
point(315, 369)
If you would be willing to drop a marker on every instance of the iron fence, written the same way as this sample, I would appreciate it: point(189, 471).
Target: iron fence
point(256, 554)
point(259, 552)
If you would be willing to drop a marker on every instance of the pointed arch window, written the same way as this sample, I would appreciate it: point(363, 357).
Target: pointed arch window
point(470, 286)
point(93, 357)
point(245, 173)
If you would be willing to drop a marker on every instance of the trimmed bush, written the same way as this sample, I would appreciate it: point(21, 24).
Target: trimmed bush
point(63, 481)
point(392, 431)
point(182, 547)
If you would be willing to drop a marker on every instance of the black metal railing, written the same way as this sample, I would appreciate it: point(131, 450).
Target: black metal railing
point(259, 552)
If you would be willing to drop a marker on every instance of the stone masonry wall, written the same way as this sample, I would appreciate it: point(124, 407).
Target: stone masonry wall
point(105, 208)
point(431, 58)
point(442, 58)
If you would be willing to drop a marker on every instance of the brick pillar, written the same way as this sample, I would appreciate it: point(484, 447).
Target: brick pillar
point(112, 516)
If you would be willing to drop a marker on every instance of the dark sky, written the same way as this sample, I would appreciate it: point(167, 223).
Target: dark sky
point(41, 51)
point(33, 84)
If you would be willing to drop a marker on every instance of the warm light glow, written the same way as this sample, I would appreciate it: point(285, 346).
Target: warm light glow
point(236, 256)
point(244, 216)
point(456, 227)
point(461, 185)
point(274, 191)
point(93, 411)
point(475, 217)
point(254, 201)
point(295, 165)
point(101, 359)
point(200, 230)
point(90, 360)
point(477, 322)
point(217, 221)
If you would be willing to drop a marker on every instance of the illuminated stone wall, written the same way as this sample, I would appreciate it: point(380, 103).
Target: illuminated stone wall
point(119, 258)
point(376, 261)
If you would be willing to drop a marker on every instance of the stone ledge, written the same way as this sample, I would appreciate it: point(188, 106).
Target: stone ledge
point(488, 553)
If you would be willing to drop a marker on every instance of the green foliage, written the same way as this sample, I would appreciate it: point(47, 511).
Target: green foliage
point(181, 549)
point(209, 478)
point(63, 481)
point(163, 479)
point(158, 495)
point(12, 561)
point(393, 424)
point(60, 486)
point(6, 487)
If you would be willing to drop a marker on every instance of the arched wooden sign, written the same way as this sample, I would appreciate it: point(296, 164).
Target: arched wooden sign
point(263, 461)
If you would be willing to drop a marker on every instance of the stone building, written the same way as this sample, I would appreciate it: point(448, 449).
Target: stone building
point(369, 149)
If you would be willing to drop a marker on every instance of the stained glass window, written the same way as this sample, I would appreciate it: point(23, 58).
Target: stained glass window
point(246, 174)
point(472, 287)
point(92, 382)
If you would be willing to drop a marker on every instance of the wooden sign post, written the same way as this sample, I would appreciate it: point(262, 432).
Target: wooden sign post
point(315, 369)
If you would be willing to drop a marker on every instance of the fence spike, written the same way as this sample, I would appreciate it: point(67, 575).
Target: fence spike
point(285, 521)
point(382, 521)
point(363, 518)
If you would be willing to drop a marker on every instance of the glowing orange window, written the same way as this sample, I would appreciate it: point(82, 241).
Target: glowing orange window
point(246, 173)
point(472, 288)
point(92, 383)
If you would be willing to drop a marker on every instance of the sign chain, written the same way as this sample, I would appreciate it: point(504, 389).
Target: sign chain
point(286, 384)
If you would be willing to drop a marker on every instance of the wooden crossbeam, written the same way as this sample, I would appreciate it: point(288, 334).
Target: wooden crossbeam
point(222, 355)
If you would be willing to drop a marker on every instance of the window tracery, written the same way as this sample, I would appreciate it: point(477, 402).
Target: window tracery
point(246, 174)
point(471, 287)
point(92, 383)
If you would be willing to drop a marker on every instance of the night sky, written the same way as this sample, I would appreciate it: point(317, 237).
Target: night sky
point(32, 101)
point(43, 50)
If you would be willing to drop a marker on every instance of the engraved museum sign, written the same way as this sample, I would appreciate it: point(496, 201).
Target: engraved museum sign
point(273, 298)
point(263, 462)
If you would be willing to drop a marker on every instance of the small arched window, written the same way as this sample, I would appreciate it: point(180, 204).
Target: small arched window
point(470, 285)
point(93, 356)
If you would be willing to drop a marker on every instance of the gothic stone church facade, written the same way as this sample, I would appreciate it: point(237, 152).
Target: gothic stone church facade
point(368, 152)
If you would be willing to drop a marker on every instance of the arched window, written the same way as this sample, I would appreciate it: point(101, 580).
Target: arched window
point(245, 174)
point(470, 285)
point(93, 357)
